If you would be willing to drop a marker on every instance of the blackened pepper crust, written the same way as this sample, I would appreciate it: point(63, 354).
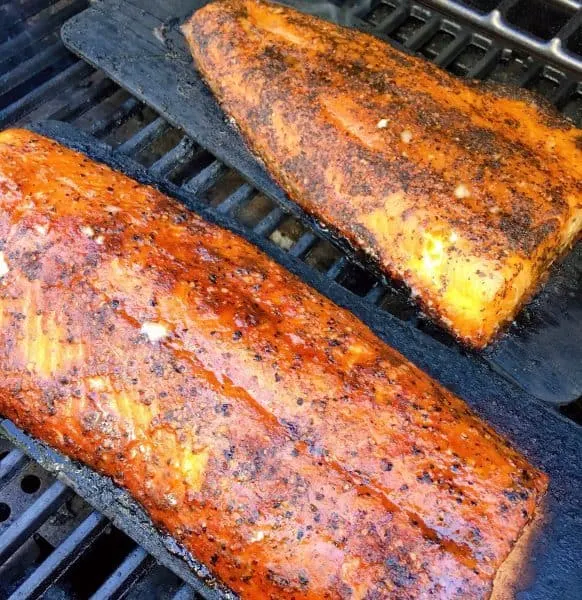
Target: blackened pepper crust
point(262, 426)
point(446, 184)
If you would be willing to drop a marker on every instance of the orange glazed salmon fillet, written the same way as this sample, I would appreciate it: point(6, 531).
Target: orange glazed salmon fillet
point(467, 192)
point(265, 428)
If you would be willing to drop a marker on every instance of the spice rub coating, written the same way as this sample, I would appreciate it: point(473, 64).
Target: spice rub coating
point(266, 429)
point(467, 192)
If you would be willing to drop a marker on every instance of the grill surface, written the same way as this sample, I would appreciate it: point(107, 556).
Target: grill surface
point(67, 550)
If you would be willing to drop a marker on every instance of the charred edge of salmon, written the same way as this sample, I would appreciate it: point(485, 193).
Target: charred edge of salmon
point(368, 258)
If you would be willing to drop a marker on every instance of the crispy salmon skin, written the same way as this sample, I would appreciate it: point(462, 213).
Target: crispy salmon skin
point(266, 429)
point(466, 192)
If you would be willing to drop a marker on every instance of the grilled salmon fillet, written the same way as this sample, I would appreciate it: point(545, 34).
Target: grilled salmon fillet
point(266, 429)
point(466, 192)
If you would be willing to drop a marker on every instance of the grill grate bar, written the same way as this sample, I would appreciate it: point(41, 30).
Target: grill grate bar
point(563, 92)
point(448, 55)
point(31, 519)
point(529, 74)
point(505, 5)
point(571, 26)
point(84, 100)
point(268, 224)
point(394, 20)
point(32, 67)
point(14, 47)
point(303, 245)
point(130, 570)
point(62, 558)
point(376, 293)
point(16, 13)
point(423, 35)
point(178, 155)
point(144, 137)
point(337, 268)
point(12, 462)
point(185, 593)
point(9, 62)
point(102, 127)
point(485, 65)
point(496, 23)
point(207, 178)
point(239, 197)
point(78, 70)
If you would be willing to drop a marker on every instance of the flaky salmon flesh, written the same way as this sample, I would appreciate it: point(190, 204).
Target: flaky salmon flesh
point(265, 428)
point(465, 191)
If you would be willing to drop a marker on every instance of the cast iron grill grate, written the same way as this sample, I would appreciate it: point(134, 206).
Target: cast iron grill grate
point(549, 28)
point(64, 538)
point(55, 545)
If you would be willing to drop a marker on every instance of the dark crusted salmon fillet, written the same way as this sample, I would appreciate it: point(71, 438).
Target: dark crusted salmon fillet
point(464, 191)
point(266, 429)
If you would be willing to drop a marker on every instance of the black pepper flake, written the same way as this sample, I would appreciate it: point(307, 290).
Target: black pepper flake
point(511, 495)
point(399, 573)
point(212, 277)
point(300, 534)
point(157, 369)
point(386, 465)
point(299, 401)
point(424, 478)
point(236, 335)
point(224, 409)
point(334, 521)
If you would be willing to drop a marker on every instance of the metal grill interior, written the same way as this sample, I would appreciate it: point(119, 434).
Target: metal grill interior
point(51, 541)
